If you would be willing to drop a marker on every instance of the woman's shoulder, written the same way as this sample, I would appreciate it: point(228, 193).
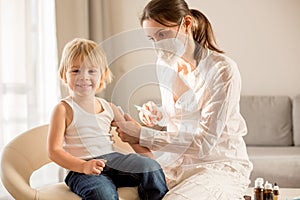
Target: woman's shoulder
point(221, 66)
point(221, 59)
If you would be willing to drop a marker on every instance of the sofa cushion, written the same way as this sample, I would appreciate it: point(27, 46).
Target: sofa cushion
point(269, 120)
point(296, 120)
point(276, 164)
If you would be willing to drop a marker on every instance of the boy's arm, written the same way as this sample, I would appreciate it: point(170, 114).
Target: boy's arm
point(119, 116)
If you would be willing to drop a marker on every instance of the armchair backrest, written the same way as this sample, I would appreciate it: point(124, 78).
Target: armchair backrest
point(20, 158)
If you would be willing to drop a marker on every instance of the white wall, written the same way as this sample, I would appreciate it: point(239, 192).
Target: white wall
point(263, 37)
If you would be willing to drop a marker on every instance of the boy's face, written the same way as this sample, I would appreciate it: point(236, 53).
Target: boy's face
point(83, 78)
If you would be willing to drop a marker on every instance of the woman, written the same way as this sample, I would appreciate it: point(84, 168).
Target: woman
point(202, 151)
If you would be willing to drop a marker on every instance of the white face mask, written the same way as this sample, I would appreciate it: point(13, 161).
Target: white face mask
point(170, 50)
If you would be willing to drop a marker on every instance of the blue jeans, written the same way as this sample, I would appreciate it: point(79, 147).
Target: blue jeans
point(120, 171)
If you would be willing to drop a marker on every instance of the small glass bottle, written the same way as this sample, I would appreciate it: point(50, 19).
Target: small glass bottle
point(259, 189)
point(276, 191)
point(268, 191)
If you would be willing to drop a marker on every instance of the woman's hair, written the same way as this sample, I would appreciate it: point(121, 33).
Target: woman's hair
point(86, 51)
point(168, 12)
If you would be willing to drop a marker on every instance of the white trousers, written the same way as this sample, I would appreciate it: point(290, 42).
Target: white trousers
point(210, 184)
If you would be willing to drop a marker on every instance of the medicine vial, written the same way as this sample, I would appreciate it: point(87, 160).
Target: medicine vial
point(259, 189)
point(268, 191)
point(276, 192)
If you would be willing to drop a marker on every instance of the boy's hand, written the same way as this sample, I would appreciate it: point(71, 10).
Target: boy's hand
point(94, 166)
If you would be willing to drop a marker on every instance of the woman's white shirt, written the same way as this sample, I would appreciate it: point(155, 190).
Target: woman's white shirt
point(204, 126)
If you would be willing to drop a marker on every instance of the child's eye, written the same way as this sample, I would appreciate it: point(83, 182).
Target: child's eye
point(75, 71)
point(92, 71)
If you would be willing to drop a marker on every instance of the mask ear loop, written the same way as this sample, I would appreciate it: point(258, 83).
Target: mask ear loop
point(186, 37)
point(181, 23)
point(182, 20)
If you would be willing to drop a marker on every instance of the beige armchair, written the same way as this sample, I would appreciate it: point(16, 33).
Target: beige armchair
point(26, 154)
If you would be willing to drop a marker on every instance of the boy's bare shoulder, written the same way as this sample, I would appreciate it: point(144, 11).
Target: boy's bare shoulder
point(62, 108)
point(118, 112)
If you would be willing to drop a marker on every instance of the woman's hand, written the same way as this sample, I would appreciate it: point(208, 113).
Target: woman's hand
point(93, 167)
point(129, 130)
point(150, 114)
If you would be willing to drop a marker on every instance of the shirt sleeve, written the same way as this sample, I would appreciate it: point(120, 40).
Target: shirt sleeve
point(198, 135)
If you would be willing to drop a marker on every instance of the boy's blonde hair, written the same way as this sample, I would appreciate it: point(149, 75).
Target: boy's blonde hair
point(86, 51)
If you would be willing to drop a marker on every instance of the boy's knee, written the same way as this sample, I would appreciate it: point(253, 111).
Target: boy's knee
point(100, 192)
point(149, 165)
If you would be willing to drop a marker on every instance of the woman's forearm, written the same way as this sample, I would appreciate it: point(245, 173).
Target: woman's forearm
point(142, 150)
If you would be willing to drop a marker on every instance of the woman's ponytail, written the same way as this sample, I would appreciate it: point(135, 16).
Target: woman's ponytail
point(202, 31)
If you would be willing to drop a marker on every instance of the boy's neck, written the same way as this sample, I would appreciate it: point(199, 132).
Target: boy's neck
point(89, 104)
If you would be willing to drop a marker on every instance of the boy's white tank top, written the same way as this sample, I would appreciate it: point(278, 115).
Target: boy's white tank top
point(88, 135)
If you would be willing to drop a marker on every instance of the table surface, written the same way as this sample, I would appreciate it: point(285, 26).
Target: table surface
point(284, 193)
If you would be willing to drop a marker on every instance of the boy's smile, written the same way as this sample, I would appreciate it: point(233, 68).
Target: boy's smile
point(83, 78)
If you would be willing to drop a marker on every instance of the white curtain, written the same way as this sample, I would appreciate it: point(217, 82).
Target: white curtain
point(28, 68)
